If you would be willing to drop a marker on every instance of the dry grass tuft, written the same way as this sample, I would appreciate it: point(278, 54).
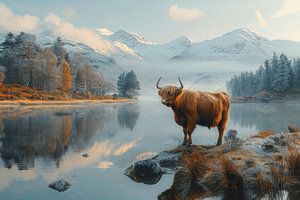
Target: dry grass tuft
point(293, 162)
point(293, 129)
point(264, 134)
point(196, 163)
point(233, 182)
point(277, 172)
point(263, 185)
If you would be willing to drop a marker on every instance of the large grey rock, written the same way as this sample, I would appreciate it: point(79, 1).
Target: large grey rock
point(145, 171)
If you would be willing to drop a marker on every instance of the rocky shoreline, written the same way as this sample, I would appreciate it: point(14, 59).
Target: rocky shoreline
point(263, 166)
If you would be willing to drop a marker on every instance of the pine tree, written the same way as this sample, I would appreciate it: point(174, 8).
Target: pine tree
point(121, 84)
point(132, 85)
point(291, 76)
point(297, 73)
point(267, 76)
point(59, 50)
point(281, 77)
point(274, 70)
point(9, 41)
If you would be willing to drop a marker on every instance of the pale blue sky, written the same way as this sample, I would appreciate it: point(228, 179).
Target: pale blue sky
point(197, 19)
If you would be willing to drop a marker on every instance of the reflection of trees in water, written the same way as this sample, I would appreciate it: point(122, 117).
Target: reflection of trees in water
point(27, 138)
point(128, 115)
point(86, 124)
point(272, 116)
point(48, 136)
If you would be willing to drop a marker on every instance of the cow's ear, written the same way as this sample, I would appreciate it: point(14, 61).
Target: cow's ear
point(178, 91)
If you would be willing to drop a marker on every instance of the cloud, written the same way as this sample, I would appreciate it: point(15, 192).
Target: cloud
point(105, 164)
point(11, 22)
point(125, 147)
point(288, 7)
point(67, 30)
point(261, 20)
point(183, 14)
point(70, 13)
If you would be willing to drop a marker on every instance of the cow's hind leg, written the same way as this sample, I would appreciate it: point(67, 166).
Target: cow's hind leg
point(184, 142)
point(221, 127)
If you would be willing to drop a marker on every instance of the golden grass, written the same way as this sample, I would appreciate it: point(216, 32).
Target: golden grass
point(16, 95)
point(264, 134)
point(293, 129)
point(263, 185)
point(196, 163)
point(293, 162)
point(233, 182)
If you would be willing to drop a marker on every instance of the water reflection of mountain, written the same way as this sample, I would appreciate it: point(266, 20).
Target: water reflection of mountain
point(272, 116)
point(48, 136)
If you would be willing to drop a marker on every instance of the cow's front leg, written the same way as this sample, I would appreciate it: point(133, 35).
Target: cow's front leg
point(188, 132)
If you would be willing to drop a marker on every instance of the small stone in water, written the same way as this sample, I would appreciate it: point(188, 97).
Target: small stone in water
point(60, 185)
point(85, 155)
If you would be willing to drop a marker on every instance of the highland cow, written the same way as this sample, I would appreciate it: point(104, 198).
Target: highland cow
point(195, 107)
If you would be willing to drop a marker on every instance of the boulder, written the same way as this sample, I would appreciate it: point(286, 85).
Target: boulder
point(60, 185)
point(145, 171)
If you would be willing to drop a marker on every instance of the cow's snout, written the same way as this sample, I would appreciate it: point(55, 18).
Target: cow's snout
point(165, 102)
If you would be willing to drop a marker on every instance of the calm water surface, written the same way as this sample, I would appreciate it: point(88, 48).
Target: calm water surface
point(40, 145)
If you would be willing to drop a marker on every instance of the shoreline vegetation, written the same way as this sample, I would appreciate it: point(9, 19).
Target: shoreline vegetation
point(266, 97)
point(17, 95)
point(263, 166)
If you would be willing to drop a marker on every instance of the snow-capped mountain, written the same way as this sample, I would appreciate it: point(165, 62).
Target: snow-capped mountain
point(131, 39)
point(238, 45)
point(150, 50)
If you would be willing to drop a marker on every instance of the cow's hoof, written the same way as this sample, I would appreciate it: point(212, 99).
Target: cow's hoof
point(219, 143)
point(183, 144)
point(188, 145)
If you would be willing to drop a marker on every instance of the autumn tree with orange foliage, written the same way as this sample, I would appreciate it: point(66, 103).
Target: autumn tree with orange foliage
point(66, 77)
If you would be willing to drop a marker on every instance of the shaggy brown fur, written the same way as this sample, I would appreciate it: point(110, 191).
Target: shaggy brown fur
point(195, 107)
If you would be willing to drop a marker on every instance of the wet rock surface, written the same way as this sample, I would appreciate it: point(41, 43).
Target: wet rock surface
point(60, 185)
point(85, 155)
point(146, 171)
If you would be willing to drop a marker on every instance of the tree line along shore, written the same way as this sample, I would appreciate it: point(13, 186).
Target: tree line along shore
point(29, 71)
point(277, 79)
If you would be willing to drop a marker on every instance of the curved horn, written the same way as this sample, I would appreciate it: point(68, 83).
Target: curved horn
point(158, 83)
point(180, 83)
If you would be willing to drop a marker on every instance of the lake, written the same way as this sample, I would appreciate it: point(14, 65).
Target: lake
point(41, 144)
